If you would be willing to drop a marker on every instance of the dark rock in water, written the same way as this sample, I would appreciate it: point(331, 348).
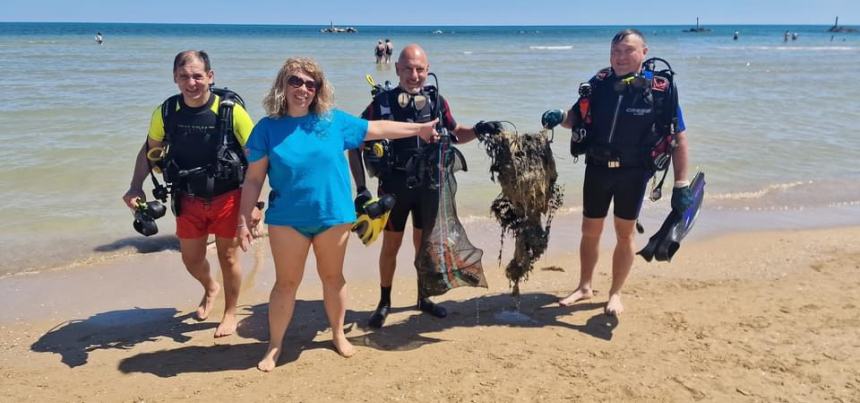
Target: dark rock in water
point(698, 28)
point(837, 28)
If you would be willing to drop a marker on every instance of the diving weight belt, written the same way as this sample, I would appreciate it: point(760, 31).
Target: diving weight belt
point(663, 244)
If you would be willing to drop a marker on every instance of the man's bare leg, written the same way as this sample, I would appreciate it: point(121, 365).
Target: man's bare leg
point(589, 250)
point(194, 257)
point(622, 260)
point(330, 249)
point(231, 275)
point(290, 251)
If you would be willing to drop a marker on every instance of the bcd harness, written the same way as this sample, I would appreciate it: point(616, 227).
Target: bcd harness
point(380, 156)
point(227, 167)
point(653, 151)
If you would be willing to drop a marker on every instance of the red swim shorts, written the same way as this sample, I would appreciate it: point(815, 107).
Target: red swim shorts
point(200, 217)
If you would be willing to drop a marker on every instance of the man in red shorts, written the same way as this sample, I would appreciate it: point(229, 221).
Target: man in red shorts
point(204, 167)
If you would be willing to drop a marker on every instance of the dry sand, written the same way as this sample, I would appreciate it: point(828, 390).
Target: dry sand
point(762, 316)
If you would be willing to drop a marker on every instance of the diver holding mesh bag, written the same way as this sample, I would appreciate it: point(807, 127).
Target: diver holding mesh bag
point(407, 169)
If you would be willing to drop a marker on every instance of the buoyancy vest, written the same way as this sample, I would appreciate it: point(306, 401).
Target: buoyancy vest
point(202, 157)
point(383, 156)
point(626, 121)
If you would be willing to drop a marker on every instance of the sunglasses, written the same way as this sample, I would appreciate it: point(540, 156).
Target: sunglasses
point(297, 82)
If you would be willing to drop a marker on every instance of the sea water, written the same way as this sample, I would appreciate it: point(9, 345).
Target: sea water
point(773, 123)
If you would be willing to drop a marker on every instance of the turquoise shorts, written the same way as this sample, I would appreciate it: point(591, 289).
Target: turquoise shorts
point(311, 231)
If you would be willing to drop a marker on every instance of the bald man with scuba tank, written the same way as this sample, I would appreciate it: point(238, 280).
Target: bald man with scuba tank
point(410, 101)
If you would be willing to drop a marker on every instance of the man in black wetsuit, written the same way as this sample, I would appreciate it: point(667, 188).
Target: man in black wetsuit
point(617, 169)
point(408, 102)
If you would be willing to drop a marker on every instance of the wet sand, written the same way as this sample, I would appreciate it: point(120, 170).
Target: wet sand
point(753, 316)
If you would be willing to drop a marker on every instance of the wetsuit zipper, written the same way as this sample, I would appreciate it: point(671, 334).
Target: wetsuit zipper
point(615, 117)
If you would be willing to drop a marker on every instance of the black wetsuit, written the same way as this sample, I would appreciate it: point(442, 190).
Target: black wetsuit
point(616, 161)
point(395, 181)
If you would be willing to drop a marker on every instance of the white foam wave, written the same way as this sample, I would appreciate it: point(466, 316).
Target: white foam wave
point(791, 48)
point(561, 47)
point(758, 194)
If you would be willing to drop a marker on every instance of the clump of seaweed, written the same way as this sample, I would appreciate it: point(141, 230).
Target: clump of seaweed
point(525, 168)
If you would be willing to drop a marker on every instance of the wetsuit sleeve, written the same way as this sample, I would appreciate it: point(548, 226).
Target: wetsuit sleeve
point(681, 126)
point(447, 118)
point(258, 141)
point(369, 112)
point(352, 128)
point(242, 124)
point(156, 125)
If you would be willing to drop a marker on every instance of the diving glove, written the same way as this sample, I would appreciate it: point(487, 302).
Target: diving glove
point(552, 118)
point(682, 198)
point(372, 218)
point(484, 128)
point(361, 199)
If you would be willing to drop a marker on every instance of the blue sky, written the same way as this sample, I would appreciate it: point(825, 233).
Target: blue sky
point(439, 12)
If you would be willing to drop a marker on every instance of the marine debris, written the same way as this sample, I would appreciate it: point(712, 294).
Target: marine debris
point(525, 168)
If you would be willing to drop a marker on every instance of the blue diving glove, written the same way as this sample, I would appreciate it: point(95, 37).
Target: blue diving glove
point(682, 198)
point(361, 199)
point(552, 118)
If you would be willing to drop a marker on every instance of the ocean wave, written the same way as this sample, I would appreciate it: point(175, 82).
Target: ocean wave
point(467, 219)
point(790, 48)
point(758, 194)
point(560, 47)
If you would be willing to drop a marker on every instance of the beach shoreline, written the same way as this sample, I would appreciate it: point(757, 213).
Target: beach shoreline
point(723, 321)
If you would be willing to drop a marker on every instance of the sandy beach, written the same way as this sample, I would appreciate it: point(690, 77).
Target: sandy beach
point(753, 316)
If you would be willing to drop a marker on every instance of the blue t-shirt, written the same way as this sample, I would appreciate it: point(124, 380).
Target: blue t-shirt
point(308, 171)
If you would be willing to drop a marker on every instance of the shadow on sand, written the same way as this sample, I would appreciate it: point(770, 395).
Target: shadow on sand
point(309, 321)
point(142, 244)
point(75, 339)
point(533, 311)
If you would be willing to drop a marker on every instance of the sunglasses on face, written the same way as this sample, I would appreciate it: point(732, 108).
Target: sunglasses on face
point(297, 82)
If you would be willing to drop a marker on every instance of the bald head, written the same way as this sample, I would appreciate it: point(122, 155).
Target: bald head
point(412, 51)
point(412, 68)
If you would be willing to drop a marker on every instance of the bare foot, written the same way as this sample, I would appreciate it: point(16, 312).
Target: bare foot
point(614, 306)
point(227, 325)
point(269, 360)
point(343, 346)
point(208, 301)
point(576, 296)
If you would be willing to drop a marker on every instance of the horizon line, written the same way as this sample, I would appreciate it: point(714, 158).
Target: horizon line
point(404, 25)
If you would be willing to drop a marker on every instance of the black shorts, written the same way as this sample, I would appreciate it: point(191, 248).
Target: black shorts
point(625, 187)
point(408, 201)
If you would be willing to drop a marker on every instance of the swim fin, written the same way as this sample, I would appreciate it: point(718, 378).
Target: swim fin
point(371, 222)
point(663, 244)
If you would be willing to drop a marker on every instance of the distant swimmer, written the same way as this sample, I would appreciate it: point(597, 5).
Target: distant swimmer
point(99, 38)
point(785, 36)
point(794, 36)
point(379, 51)
point(389, 49)
point(735, 36)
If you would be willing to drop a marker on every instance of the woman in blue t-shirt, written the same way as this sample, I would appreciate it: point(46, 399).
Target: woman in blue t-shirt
point(300, 146)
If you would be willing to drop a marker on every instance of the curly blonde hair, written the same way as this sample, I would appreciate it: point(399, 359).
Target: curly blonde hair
point(275, 102)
